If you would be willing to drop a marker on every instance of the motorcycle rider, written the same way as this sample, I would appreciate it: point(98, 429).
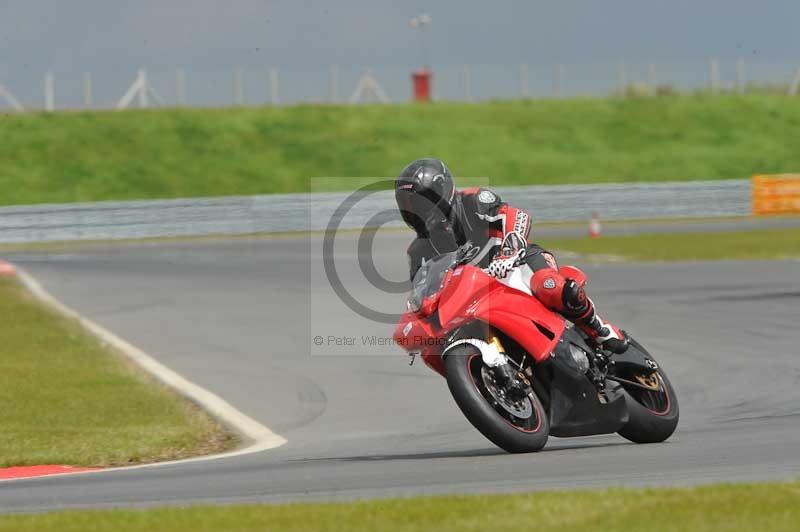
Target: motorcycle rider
point(445, 218)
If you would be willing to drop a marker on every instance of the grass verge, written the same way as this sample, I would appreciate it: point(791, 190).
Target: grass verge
point(755, 244)
point(87, 156)
point(68, 400)
point(746, 507)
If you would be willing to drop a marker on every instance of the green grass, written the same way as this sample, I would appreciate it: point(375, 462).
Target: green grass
point(745, 507)
point(82, 156)
point(67, 400)
point(758, 244)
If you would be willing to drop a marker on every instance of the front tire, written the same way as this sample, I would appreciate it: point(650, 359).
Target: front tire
point(525, 432)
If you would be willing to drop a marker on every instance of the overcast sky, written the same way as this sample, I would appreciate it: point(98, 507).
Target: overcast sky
point(108, 36)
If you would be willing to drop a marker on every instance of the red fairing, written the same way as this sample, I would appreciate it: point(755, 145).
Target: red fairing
point(472, 294)
point(415, 334)
point(524, 319)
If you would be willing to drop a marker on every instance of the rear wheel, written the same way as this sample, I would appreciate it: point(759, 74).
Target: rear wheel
point(652, 407)
point(515, 425)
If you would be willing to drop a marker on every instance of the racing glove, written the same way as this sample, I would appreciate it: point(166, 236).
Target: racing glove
point(502, 265)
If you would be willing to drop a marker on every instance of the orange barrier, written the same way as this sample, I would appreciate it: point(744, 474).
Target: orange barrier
point(776, 194)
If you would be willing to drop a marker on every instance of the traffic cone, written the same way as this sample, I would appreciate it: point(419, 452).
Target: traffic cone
point(594, 226)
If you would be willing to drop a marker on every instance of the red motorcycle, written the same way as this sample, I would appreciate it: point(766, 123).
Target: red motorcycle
point(466, 324)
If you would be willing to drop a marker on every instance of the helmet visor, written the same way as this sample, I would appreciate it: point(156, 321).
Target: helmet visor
point(420, 211)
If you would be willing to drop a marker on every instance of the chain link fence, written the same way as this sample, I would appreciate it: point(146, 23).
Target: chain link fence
point(288, 85)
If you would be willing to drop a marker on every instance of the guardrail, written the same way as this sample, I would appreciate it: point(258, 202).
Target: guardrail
point(303, 212)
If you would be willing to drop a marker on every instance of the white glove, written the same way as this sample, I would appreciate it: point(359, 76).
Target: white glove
point(502, 265)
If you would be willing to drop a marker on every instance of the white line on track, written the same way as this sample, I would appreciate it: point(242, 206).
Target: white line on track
point(258, 437)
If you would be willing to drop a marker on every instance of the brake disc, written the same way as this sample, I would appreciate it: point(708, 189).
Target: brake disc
point(521, 408)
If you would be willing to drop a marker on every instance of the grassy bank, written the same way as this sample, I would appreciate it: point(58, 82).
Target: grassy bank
point(67, 400)
point(86, 156)
point(756, 244)
point(762, 507)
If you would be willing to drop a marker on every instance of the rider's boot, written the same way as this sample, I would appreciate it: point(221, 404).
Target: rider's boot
point(603, 333)
point(580, 309)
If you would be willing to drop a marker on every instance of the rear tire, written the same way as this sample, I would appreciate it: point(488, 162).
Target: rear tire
point(649, 423)
point(515, 435)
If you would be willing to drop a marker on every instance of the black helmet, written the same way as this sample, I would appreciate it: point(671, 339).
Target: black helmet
point(424, 191)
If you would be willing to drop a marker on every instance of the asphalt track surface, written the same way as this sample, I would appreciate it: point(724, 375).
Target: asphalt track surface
point(239, 318)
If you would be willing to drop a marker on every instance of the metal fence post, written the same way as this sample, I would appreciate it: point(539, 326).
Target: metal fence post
point(653, 79)
point(6, 95)
point(49, 92)
point(524, 89)
point(622, 78)
point(334, 84)
point(142, 83)
point(795, 83)
point(467, 75)
point(558, 80)
point(713, 74)
point(273, 85)
point(368, 86)
point(142, 89)
point(180, 87)
point(741, 76)
point(238, 86)
point(87, 90)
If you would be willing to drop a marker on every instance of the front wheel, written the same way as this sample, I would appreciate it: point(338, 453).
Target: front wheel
point(516, 426)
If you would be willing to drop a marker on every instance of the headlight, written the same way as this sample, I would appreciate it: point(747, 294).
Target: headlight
point(414, 303)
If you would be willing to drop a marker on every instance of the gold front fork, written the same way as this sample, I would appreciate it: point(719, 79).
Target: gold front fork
point(495, 341)
point(497, 344)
